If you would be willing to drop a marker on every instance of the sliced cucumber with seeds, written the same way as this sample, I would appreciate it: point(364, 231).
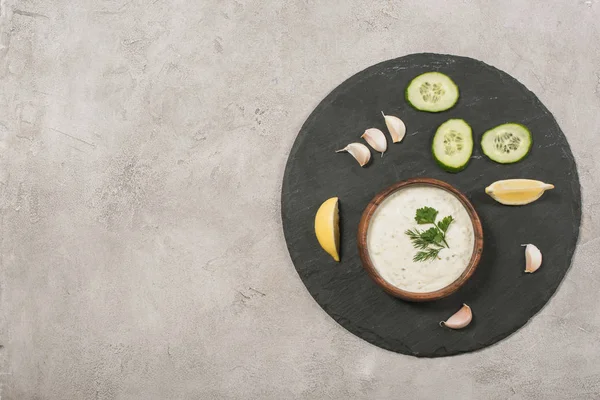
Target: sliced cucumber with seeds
point(507, 143)
point(453, 145)
point(432, 92)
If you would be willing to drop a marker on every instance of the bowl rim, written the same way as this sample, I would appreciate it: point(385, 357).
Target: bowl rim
point(363, 251)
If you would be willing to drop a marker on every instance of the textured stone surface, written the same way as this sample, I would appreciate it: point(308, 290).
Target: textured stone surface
point(142, 148)
point(503, 298)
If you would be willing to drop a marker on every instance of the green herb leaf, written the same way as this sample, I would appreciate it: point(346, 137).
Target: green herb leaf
point(413, 234)
point(417, 239)
point(426, 215)
point(430, 254)
point(445, 223)
point(433, 236)
point(432, 240)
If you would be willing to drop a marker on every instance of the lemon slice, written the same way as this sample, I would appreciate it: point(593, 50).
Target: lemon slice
point(517, 192)
point(327, 227)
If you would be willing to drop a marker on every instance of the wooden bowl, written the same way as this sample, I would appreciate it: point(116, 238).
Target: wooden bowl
point(414, 296)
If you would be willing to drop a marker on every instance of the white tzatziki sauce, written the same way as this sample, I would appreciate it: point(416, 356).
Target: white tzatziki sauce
point(392, 252)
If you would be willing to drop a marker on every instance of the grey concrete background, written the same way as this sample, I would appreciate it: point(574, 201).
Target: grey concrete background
point(142, 148)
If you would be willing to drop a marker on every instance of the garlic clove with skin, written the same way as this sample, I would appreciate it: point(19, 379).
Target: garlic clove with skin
point(395, 126)
point(359, 151)
point(533, 258)
point(376, 140)
point(460, 319)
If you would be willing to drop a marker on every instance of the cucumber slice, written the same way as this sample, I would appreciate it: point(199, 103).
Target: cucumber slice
point(453, 145)
point(507, 143)
point(432, 92)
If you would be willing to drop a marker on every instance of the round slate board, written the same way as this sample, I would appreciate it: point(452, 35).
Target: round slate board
point(502, 296)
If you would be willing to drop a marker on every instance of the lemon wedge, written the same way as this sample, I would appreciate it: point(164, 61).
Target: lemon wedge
point(517, 192)
point(327, 227)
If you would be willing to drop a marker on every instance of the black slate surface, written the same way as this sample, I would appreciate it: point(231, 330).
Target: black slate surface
point(502, 296)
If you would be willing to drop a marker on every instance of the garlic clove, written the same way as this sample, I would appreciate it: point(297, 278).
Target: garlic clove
point(376, 140)
point(533, 258)
point(359, 151)
point(460, 319)
point(395, 126)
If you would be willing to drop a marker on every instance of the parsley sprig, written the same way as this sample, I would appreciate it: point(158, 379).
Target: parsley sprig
point(432, 240)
